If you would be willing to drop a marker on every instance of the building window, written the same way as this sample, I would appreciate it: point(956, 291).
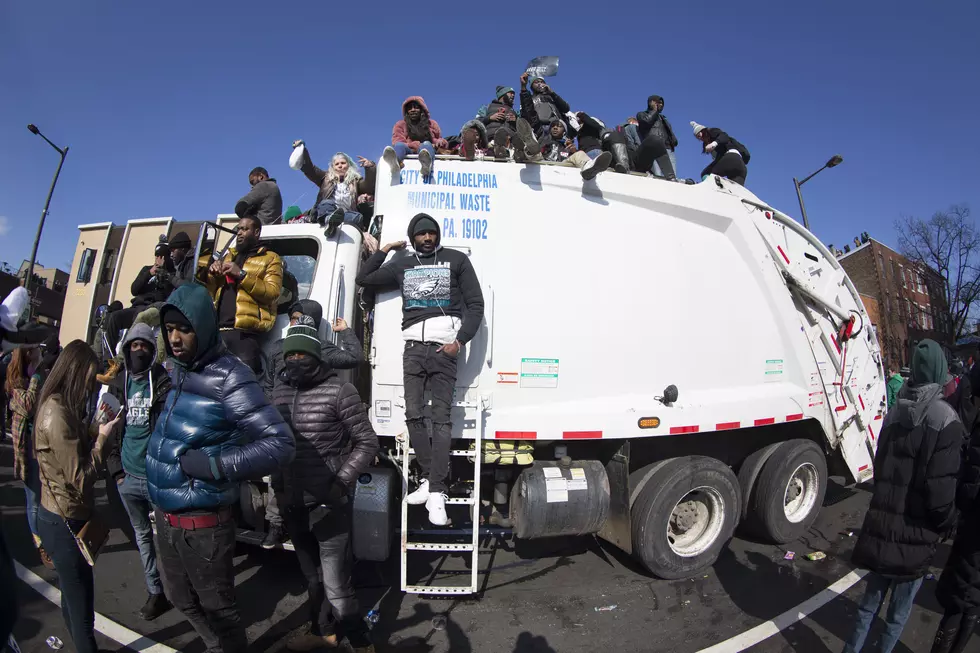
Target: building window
point(901, 272)
point(894, 271)
point(85, 266)
point(108, 266)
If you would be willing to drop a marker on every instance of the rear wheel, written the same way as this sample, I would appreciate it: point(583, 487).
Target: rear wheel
point(683, 515)
point(789, 491)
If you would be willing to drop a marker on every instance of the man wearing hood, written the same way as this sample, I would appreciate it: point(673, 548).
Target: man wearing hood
point(913, 506)
point(246, 286)
point(216, 430)
point(335, 444)
point(541, 105)
point(557, 147)
point(142, 391)
point(264, 201)
point(152, 284)
point(182, 255)
point(442, 308)
point(415, 133)
point(657, 140)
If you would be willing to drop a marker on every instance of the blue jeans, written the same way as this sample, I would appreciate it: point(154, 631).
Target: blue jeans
point(594, 153)
point(74, 577)
point(32, 494)
point(673, 162)
point(135, 496)
point(903, 595)
point(325, 208)
point(632, 136)
point(402, 150)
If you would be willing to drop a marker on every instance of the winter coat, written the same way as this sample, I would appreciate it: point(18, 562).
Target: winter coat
point(916, 469)
point(264, 201)
point(429, 293)
point(895, 383)
point(184, 271)
point(539, 109)
point(590, 133)
point(152, 288)
point(654, 123)
point(216, 405)
point(328, 185)
point(493, 125)
point(22, 402)
point(346, 355)
point(399, 133)
point(334, 437)
point(554, 150)
point(69, 457)
point(725, 144)
point(257, 301)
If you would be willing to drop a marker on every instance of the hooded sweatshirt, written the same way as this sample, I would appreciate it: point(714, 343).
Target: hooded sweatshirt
point(652, 121)
point(438, 289)
point(264, 201)
point(399, 133)
point(555, 150)
point(216, 406)
point(916, 470)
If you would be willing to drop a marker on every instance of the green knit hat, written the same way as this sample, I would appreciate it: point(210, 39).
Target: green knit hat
point(503, 90)
point(291, 212)
point(302, 338)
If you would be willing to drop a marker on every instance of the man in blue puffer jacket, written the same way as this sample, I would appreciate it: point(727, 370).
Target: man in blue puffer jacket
point(216, 429)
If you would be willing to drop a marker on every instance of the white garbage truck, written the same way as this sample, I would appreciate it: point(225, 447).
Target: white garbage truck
point(658, 364)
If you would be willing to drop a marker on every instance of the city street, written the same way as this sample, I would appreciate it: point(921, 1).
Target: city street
point(537, 596)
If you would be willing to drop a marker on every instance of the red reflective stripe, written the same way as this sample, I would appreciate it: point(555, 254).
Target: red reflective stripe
point(581, 435)
point(724, 426)
point(862, 402)
point(793, 418)
point(765, 420)
point(840, 408)
point(862, 468)
point(676, 430)
point(834, 339)
point(877, 417)
point(780, 248)
point(871, 433)
point(516, 435)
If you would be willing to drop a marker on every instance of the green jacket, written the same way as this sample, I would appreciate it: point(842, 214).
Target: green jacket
point(895, 383)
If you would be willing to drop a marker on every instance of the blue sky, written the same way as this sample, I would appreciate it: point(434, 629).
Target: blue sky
point(166, 106)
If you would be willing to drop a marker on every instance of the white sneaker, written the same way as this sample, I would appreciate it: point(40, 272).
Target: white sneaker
point(436, 505)
point(596, 165)
point(587, 170)
point(420, 495)
point(426, 160)
point(391, 158)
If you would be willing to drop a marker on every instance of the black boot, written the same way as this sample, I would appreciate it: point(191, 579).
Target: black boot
point(156, 605)
point(621, 157)
point(666, 167)
point(273, 538)
point(967, 624)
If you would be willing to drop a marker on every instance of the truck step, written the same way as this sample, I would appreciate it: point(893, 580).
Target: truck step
point(452, 452)
point(436, 546)
point(437, 589)
point(460, 532)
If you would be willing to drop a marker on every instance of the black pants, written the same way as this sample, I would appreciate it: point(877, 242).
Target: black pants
point(117, 321)
point(321, 535)
point(731, 166)
point(424, 367)
point(653, 148)
point(197, 570)
point(74, 577)
point(955, 631)
point(245, 346)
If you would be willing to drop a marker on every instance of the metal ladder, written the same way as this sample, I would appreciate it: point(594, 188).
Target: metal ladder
point(473, 501)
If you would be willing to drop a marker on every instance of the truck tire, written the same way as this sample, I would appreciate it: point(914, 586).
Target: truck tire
point(789, 491)
point(748, 474)
point(683, 515)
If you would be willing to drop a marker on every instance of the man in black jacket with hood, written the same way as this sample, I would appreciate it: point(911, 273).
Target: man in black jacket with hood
point(153, 284)
point(541, 105)
point(442, 308)
point(913, 506)
point(657, 140)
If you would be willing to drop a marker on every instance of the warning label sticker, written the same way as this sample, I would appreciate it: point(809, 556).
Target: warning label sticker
point(557, 490)
point(539, 372)
point(552, 472)
point(774, 370)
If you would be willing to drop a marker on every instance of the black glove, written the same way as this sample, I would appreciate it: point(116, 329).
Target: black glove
point(198, 464)
point(338, 492)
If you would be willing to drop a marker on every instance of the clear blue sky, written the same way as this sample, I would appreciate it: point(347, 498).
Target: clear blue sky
point(166, 106)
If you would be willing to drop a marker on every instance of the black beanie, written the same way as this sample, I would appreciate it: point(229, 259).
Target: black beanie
point(180, 240)
point(423, 224)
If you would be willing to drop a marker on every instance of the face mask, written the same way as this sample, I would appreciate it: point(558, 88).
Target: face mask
point(140, 361)
point(301, 369)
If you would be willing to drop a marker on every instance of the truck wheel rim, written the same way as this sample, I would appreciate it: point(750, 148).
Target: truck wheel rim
point(696, 521)
point(801, 493)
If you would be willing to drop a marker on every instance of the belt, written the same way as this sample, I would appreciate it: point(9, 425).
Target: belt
point(195, 522)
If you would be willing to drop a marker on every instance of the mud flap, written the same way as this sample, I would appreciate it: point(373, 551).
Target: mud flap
point(618, 529)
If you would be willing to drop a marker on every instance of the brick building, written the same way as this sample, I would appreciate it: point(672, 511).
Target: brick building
point(908, 298)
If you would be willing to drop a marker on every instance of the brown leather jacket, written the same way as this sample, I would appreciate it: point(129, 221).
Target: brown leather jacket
point(69, 458)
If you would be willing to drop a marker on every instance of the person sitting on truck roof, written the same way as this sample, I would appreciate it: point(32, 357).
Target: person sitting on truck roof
point(415, 133)
point(442, 309)
point(729, 157)
point(245, 286)
point(335, 444)
point(264, 201)
point(153, 284)
point(655, 153)
point(540, 104)
point(913, 505)
point(556, 147)
point(500, 117)
point(589, 136)
point(340, 185)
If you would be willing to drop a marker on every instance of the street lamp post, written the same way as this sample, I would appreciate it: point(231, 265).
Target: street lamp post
point(835, 160)
point(40, 225)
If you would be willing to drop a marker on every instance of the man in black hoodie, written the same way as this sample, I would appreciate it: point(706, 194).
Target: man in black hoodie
point(656, 152)
point(913, 506)
point(153, 284)
point(442, 308)
point(541, 105)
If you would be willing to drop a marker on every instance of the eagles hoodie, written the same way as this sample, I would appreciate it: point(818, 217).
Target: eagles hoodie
point(435, 286)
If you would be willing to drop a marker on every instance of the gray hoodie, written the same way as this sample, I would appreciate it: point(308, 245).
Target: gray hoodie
point(264, 201)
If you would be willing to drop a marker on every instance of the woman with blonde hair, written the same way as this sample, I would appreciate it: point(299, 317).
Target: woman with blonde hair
point(69, 455)
point(342, 188)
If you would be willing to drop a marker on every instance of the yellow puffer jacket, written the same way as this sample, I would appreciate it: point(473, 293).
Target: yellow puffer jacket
point(258, 293)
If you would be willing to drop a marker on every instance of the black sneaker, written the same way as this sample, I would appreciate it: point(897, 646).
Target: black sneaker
point(156, 605)
point(334, 221)
point(273, 538)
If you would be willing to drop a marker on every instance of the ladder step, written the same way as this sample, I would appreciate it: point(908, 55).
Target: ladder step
point(436, 546)
point(466, 501)
point(437, 589)
point(453, 452)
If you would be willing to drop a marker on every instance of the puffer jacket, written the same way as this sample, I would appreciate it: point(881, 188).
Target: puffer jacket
point(916, 469)
point(493, 125)
point(328, 185)
point(334, 437)
point(256, 304)
point(345, 355)
point(399, 133)
point(215, 405)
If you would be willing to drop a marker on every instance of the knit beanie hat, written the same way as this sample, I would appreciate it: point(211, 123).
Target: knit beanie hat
point(697, 128)
point(503, 90)
point(291, 212)
point(424, 224)
point(534, 79)
point(180, 240)
point(929, 363)
point(302, 337)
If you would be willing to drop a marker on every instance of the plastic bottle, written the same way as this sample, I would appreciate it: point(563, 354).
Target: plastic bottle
point(55, 643)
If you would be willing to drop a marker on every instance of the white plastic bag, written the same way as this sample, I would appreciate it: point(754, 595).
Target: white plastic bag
point(297, 156)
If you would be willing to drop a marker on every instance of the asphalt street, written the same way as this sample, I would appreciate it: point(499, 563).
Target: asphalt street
point(536, 596)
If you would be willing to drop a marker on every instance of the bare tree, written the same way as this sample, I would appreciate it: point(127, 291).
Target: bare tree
point(948, 243)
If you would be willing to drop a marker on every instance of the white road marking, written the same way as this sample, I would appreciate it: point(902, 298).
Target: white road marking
point(106, 626)
point(772, 627)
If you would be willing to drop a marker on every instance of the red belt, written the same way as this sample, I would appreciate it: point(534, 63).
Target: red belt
point(194, 522)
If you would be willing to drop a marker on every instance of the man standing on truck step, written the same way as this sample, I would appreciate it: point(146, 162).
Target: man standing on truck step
point(442, 308)
point(264, 201)
point(913, 506)
point(245, 286)
point(216, 430)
